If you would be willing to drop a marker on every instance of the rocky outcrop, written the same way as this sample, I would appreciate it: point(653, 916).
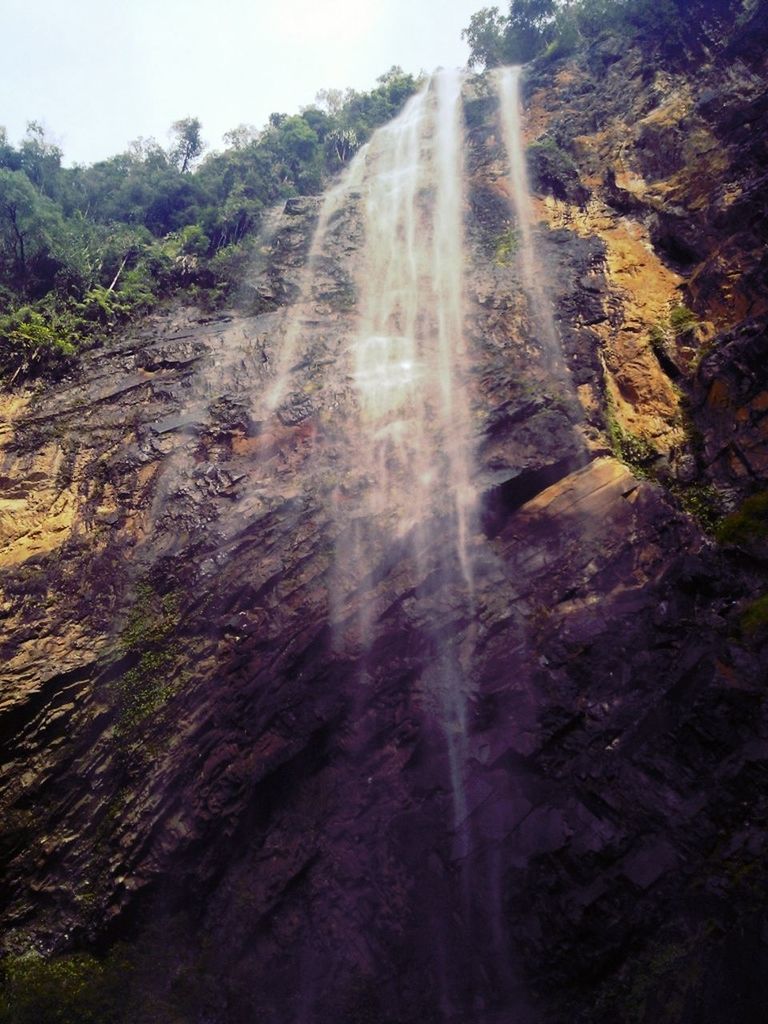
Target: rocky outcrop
point(730, 396)
point(249, 811)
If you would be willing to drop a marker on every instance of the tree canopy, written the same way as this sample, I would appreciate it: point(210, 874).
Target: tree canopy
point(533, 27)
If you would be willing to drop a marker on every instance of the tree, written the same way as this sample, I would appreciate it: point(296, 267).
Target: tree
point(595, 16)
point(532, 27)
point(121, 247)
point(86, 247)
point(298, 142)
point(189, 142)
point(341, 144)
point(144, 149)
point(30, 226)
point(242, 136)
point(9, 158)
point(485, 35)
point(320, 122)
point(334, 99)
point(661, 18)
point(40, 159)
point(237, 215)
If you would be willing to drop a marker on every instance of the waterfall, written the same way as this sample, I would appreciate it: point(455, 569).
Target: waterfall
point(413, 451)
point(403, 431)
point(376, 347)
point(394, 454)
point(508, 88)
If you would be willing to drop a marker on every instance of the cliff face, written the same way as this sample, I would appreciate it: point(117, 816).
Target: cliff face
point(664, 159)
point(195, 769)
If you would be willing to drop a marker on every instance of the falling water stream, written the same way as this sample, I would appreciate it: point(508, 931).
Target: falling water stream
point(413, 453)
point(533, 278)
point(297, 323)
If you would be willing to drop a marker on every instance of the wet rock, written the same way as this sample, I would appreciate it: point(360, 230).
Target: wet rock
point(299, 206)
point(295, 409)
point(646, 865)
point(553, 171)
point(231, 414)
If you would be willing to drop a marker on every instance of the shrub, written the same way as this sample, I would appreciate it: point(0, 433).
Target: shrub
point(147, 636)
point(506, 247)
point(633, 450)
point(754, 618)
point(99, 306)
point(75, 989)
point(31, 341)
point(682, 321)
point(229, 264)
point(193, 241)
point(680, 325)
point(702, 502)
point(748, 524)
point(657, 336)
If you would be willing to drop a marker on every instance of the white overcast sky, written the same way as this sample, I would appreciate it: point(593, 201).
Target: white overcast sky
point(100, 73)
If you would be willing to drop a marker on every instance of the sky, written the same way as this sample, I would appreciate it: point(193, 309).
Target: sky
point(98, 74)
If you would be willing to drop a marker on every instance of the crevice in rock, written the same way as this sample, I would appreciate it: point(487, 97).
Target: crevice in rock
point(501, 501)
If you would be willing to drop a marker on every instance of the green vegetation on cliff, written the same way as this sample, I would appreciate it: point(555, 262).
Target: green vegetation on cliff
point(747, 526)
point(147, 640)
point(75, 989)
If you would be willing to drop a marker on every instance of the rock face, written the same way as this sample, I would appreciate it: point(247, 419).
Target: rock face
point(196, 774)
